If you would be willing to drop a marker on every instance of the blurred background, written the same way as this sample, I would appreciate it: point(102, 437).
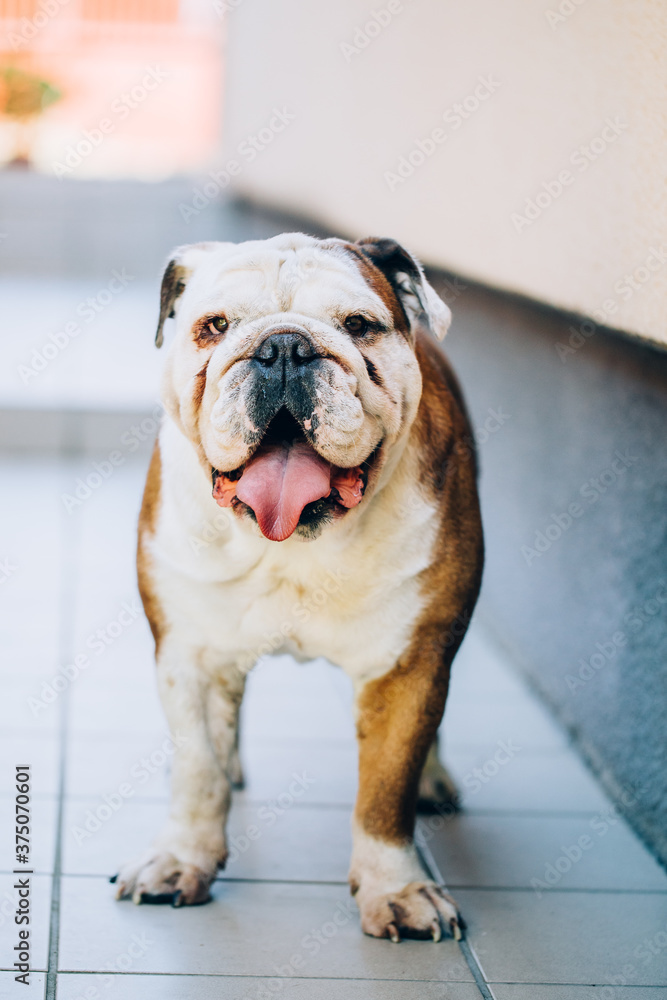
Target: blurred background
point(518, 149)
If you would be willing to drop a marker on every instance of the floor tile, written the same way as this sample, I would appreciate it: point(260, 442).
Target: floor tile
point(129, 987)
point(249, 929)
point(100, 836)
point(557, 782)
point(517, 991)
point(43, 818)
point(40, 907)
point(269, 767)
point(43, 756)
point(99, 707)
point(481, 674)
point(279, 840)
point(29, 701)
point(9, 988)
point(511, 851)
point(527, 724)
point(98, 766)
point(310, 700)
point(566, 937)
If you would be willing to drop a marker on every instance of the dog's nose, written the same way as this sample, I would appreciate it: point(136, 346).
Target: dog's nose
point(285, 349)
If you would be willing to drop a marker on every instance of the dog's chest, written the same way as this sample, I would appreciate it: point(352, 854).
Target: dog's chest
point(355, 604)
point(357, 615)
point(352, 596)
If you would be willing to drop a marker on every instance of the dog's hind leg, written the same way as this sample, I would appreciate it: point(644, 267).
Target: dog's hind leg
point(437, 790)
point(202, 714)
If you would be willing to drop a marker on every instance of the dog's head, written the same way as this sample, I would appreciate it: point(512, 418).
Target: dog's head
point(293, 371)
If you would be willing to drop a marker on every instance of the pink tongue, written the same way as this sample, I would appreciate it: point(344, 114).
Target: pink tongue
point(279, 481)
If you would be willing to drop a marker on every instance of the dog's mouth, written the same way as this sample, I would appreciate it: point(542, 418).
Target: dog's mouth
point(285, 482)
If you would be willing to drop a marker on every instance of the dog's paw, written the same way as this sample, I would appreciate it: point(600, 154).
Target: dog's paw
point(420, 910)
point(437, 791)
point(235, 772)
point(162, 878)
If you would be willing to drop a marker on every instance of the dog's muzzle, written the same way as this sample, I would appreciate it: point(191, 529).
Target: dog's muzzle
point(285, 476)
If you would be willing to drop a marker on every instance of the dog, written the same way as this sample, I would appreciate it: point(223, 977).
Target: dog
point(305, 395)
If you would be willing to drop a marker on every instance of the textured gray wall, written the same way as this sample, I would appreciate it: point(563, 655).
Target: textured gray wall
point(578, 595)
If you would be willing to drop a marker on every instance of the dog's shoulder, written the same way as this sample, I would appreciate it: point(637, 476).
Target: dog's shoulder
point(442, 430)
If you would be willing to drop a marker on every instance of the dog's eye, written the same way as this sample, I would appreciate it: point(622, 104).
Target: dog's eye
point(356, 325)
point(217, 325)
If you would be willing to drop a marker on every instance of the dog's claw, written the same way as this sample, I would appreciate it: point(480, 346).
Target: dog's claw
point(436, 931)
point(113, 878)
point(392, 931)
point(456, 930)
point(177, 899)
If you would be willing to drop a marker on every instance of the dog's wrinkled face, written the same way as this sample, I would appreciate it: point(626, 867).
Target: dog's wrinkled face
point(293, 370)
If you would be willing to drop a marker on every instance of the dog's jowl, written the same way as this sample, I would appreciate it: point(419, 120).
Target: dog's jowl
point(305, 395)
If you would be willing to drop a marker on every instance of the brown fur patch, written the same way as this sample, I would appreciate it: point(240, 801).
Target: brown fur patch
point(173, 283)
point(399, 713)
point(147, 521)
point(382, 287)
point(200, 386)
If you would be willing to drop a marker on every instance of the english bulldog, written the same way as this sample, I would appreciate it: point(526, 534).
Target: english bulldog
point(305, 395)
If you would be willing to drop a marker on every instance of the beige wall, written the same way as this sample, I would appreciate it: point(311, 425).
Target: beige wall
point(556, 71)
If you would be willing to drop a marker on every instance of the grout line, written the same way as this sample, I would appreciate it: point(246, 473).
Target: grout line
point(256, 975)
point(462, 886)
point(465, 947)
point(70, 534)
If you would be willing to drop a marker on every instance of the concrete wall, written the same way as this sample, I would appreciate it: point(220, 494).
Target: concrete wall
point(558, 103)
point(574, 504)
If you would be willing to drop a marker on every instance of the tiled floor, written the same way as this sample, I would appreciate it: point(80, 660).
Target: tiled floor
point(599, 930)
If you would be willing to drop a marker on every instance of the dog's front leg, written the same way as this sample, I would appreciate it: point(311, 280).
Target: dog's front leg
point(397, 719)
point(202, 712)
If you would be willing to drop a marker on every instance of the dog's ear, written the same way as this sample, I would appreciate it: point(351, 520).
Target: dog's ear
point(179, 268)
point(421, 303)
